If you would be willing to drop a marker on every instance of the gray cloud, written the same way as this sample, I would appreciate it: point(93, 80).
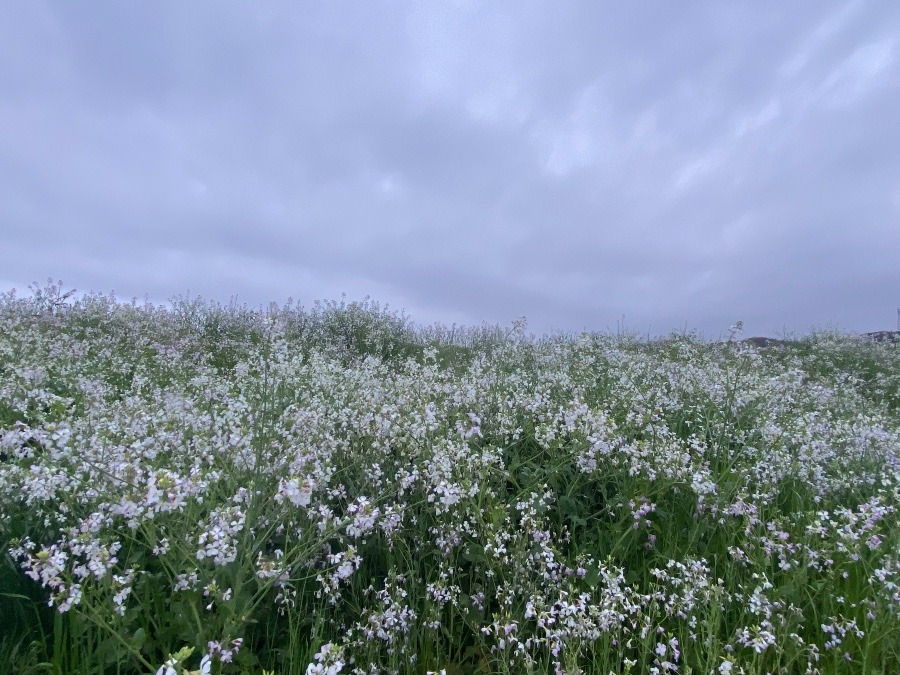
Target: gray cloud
point(681, 166)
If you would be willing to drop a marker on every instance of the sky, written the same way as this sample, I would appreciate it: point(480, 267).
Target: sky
point(647, 165)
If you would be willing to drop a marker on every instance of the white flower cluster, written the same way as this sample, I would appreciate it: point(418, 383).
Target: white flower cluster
point(364, 491)
point(218, 540)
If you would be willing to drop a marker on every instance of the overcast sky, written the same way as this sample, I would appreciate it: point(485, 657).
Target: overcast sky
point(657, 165)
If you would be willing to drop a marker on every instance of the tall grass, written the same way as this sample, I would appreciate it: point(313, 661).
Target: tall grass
point(335, 490)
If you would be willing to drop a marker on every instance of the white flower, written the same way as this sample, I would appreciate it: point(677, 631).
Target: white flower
point(296, 490)
point(168, 668)
point(329, 661)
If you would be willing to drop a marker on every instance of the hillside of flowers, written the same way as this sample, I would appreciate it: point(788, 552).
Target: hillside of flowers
point(207, 488)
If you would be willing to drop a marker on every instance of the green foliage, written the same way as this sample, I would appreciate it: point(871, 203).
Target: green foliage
point(299, 489)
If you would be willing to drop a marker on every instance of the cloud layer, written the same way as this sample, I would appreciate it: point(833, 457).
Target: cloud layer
point(678, 166)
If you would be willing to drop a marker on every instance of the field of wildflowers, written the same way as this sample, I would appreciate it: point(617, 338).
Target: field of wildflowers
point(217, 489)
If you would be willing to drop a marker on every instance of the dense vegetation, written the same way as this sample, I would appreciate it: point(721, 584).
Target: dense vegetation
point(209, 488)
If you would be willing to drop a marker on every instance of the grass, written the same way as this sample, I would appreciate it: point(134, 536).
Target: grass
point(224, 489)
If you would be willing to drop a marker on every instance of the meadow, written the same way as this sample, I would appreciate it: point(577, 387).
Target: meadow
point(209, 488)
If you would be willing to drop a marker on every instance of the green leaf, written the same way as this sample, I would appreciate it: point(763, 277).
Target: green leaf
point(138, 639)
